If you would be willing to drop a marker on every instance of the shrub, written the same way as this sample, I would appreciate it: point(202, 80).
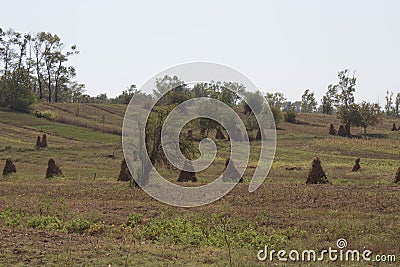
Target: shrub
point(96, 228)
point(44, 222)
point(290, 116)
point(210, 231)
point(11, 218)
point(134, 219)
point(77, 225)
point(16, 91)
point(47, 114)
point(276, 112)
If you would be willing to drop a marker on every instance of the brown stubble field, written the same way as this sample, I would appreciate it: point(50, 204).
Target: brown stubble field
point(77, 219)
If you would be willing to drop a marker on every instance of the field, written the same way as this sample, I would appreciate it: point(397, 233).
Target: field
point(87, 218)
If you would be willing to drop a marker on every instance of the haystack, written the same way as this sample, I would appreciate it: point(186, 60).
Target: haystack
point(189, 135)
point(347, 130)
point(258, 135)
point(332, 130)
point(356, 166)
point(316, 174)
point(249, 134)
point(52, 169)
point(187, 176)
point(394, 128)
point(124, 173)
point(219, 135)
point(341, 131)
point(397, 176)
point(236, 135)
point(9, 168)
point(231, 174)
point(38, 142)
point(44, 141)
point(203, 132)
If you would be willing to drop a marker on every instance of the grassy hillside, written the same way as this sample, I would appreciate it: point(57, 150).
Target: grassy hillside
point(78, 220)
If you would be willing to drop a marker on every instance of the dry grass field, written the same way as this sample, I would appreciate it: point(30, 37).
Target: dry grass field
point(86, 218)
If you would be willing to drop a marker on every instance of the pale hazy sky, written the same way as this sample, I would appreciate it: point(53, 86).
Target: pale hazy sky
point(286, 46)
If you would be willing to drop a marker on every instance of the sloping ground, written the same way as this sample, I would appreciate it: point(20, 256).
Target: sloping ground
point(298, 144)
point(285, 213)
point(69, 131)
point(80, 151)
point(23, 137)
point(98, 117)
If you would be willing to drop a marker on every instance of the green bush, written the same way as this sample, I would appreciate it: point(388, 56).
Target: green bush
point(47, 114)
point(290, 116)
point(276, 112)
point(77, 225)
point(16, 91)
point(207, 231)
point(96, 228)
point(134, 219)
point(44, 222)
point(11, 218)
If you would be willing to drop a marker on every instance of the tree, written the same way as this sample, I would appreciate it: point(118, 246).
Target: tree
point(172, 89)
point(226, 96)
point(255, 101)
point(43, 57)
point(200, 90)
point(296, 106)
point(16, 91)
point(329, 100)
point(63, 74)
point(7, 50)
point(397, 105)
point(227, 92)
point(132, 95)
point(205, 124)
point(345, 88)
point(342, 92)
point(77, 90)
point(360, 115)
point(12, 50)
point(308, 103)
point(238, 90)
point(277, 114)
point(345, 94)
point(153, 131)
point(101, 99)
point(51, 44)
point(389, 103)
point(38, 61)
point(275, 99)
point(54, 58)
point(291, 114)
point(126, 95)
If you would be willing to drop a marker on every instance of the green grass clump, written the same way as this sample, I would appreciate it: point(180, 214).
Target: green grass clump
point(47, 114)
point(215, 231)
point(77, 225)
point(44, 222)
point(48, 222)
point(134, 219)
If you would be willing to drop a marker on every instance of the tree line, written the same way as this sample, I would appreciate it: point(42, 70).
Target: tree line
point(35, 67)
point(339, 100)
